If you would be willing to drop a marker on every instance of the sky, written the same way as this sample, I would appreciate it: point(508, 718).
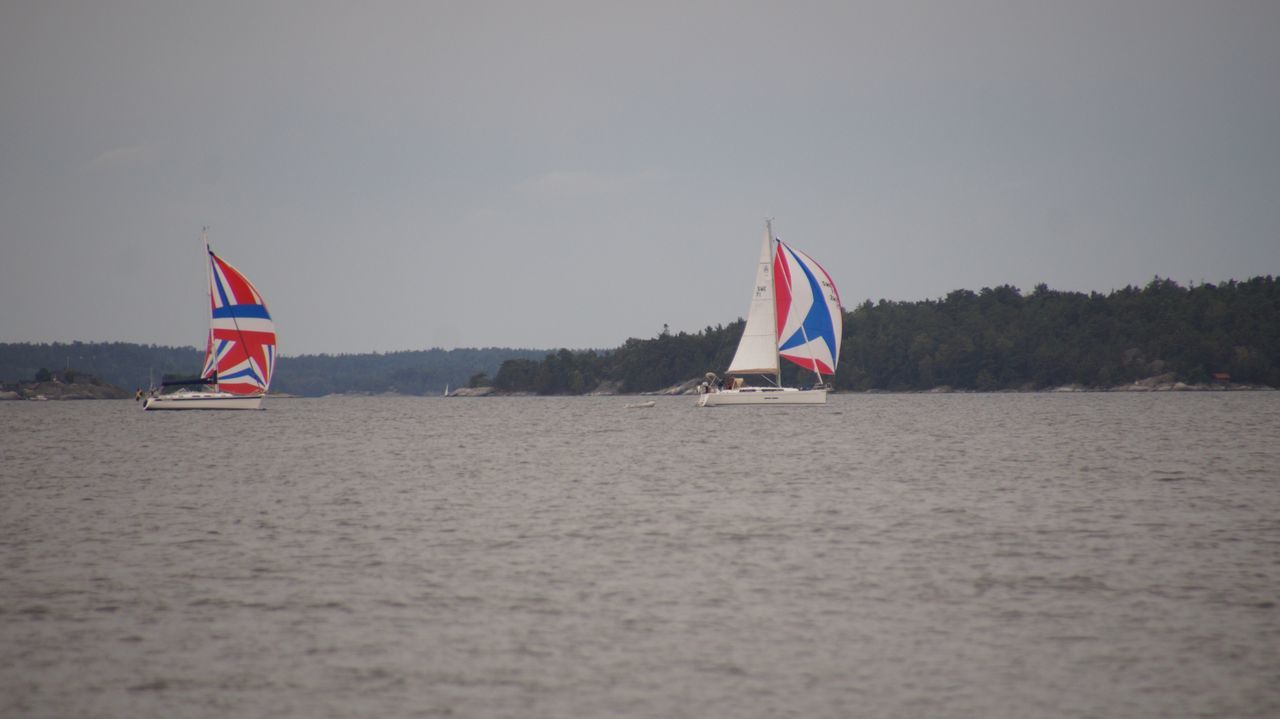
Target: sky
point(407, 175)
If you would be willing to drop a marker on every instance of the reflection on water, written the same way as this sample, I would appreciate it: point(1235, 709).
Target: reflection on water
point(885, 555)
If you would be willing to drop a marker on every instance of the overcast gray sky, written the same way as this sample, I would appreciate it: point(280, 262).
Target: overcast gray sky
point(405, 175)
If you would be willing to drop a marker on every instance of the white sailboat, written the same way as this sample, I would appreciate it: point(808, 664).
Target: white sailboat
point(240, 355)
point(795, 314)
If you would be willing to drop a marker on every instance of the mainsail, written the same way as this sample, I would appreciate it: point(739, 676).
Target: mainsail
point(809, 317)
point(758, 349)
point(242, 337)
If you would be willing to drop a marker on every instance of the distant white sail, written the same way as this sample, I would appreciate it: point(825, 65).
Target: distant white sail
point(758, 350)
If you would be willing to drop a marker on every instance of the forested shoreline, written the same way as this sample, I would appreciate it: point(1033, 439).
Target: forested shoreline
point(995, 339)
point(128, 365)
point(991, 340)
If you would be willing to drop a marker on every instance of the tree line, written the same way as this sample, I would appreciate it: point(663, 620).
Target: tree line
point(637, 366)
point(129, 365)
point(994, 339)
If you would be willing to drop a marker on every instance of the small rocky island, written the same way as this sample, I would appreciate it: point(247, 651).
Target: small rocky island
point(65, 384)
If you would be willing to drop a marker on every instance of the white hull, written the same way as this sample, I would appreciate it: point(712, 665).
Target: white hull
point(763, 395)
point(203, 400)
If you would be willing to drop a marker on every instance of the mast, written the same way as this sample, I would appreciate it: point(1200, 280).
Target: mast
point(208, 285)
point(777, 354)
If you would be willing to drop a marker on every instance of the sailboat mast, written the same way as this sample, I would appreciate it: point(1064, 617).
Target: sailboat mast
point(777, 354)
point(208, 306)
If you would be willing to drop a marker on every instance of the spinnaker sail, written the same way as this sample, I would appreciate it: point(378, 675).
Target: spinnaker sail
point(241, 350)
point(809, 317)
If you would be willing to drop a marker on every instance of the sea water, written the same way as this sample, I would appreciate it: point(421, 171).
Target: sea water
point(985, 555)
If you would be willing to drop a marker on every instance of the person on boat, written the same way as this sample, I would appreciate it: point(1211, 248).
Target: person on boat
point(712, 382)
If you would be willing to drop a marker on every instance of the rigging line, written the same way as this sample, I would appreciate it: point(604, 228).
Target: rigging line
point(777, 355)
point(208, 281)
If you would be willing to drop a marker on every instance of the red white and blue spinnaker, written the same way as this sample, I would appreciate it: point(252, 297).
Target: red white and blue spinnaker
point(242, 338)
point(808, 313)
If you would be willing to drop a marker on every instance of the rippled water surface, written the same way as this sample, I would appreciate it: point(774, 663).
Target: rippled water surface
point(1082, 555)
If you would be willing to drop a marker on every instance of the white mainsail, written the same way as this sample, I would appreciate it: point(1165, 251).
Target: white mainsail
point(758, 350)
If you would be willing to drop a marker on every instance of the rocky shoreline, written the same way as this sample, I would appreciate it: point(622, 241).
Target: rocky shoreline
point(94, 388)
point(89, 388)
point(1158, 383)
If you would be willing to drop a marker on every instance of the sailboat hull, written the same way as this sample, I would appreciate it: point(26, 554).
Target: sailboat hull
point(762, 395)
point(203, 400)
